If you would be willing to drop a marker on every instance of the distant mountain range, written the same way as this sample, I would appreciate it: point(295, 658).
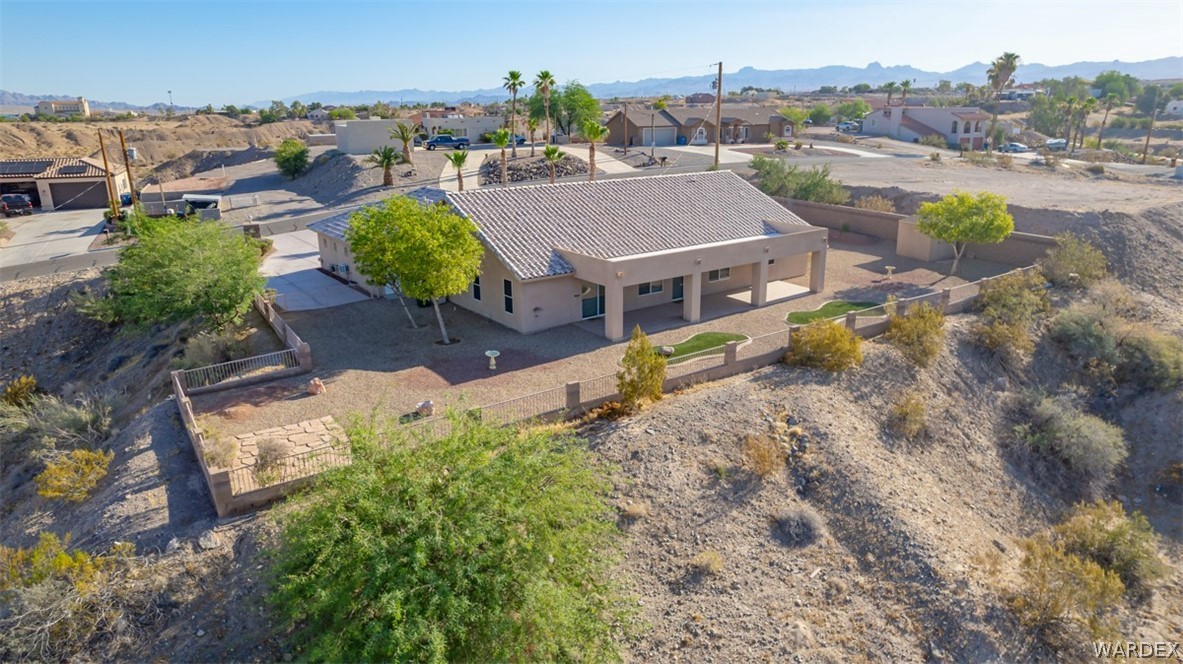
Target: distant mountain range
point(788, 80)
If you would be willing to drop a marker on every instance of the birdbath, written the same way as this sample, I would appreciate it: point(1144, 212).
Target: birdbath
point(492, 355)
point(890, 269)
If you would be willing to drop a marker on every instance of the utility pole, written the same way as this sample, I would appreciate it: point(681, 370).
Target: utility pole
point(127, 167)
point(718, 113)
point(625, 138)
point(110, 185)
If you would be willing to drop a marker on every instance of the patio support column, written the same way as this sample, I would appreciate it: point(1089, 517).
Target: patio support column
point(760, 283)
point(614, 312)
point(817, 270)
point(692, 297)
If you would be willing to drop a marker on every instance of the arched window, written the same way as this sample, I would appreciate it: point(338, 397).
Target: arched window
point(966, 127)
point(954, 126)
point(978, 126)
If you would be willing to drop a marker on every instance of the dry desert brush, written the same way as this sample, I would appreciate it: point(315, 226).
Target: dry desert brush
point(763, 454)
point(918, 334)
point(800, 526)
point(486, 545)
point(1089, 447)
point(908, 416)
point(1010, 306)
point(1074, 262)
point(642, 373)
point(826, 345)
point(1063, 595)
point(1124, 544)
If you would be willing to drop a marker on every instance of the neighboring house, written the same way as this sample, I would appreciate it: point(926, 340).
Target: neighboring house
point(1174, 107)
point(65, 183)
point(695, 126)
point(558, 254)
point(64, 109)
point(963, 126)
point(365, 136)
point(318, 115)
point(700, 98)
point(471, 127)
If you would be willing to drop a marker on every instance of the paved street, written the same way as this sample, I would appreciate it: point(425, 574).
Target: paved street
point(49, 235)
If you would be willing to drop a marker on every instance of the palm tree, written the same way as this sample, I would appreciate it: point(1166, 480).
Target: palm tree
point(501, 138)
point(406, 133)
point(658, 105)
point(889, 87)
point(457, 159)
point(1110, 100)
point(544, 82)
point(1069, 110)
point(514, 82)
point(1000, 75)
point(531, 128)
point(593, 131)
point(1082, 115)
point(905, 87)
point(1161, 99)
point(965, 88)
point(385, 158)
point(553, 155)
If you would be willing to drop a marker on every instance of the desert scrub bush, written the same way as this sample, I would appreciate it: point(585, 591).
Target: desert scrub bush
point(205, 349)
point(1124, 544)
point(918, 333)
point(934, 156)
point(48, 423)
point(1095, 169)
point(1091, 448)
point(876, 203)
point(1008, 306)
point(979, 158)
point(934, 141)
point(825, 345)
point(1132, 353)
point(73, 475)
point(763, 454)
point(781, 145)
point(1062, 591)
point(1086, 333)
point(642, 373)
point(908, 416)
point(1113, 297)
point(268, 466)
point(707, 562)
point(1006, 161)
point(1150, 359)
point(1074, 262)
point(20, 391)
point(219, 451)
point(57, 604)
point(488, 544)
point(799, 526)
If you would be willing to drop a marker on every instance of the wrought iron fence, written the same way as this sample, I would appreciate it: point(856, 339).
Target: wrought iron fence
point(289, 468)
point(239, 369)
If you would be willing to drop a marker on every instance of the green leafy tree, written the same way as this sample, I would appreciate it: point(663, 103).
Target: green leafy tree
point(544, 83)
point(501, 138)
point(385, 158)
point(297, 110)
point(231, 111)
point(553, 155)
point(777, 179)
point(820, 114)
point(266, 116)
point(861, 88)
point(961, 219)
point(1000, 75)
point(966, 89)
point(487, 545)
point(343, 113)
point(406, 132)
point(513, 82)
point(642, 373)
point(569, 107)
point(279, 109)
point(594, 132)
point(795, 116)
point(944, 87)
point(854, 109)
point(1113, 82)
point(457, 158)
point(428, 251)
point(292, 158)
point(203, 271)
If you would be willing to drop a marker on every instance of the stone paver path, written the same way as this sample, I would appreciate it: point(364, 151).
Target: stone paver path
point(306, 448)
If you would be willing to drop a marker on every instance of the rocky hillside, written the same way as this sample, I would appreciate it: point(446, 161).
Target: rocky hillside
point(526, 168)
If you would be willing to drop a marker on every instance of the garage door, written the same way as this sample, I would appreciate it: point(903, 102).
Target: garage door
point(79, 195)
point(665, 136)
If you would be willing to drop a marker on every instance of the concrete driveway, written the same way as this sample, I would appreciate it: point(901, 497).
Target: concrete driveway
point(294, 272)
point(48, 235)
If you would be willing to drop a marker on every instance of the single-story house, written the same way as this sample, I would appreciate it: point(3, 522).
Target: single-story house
point(695, 126)
point(1174, 107)
point(318, 115)
point(365, 136)
point(467, 126)
point(63, 183)
point(562, 253)
point(964, 126)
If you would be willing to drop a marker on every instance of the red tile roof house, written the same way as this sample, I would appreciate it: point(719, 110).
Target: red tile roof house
point(568, 252)
point(695, 126)
point(62, 183)
point(961, 126)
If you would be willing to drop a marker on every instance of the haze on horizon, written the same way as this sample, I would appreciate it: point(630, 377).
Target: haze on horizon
point(241, 51)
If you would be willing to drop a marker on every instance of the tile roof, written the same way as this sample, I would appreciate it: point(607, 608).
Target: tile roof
point(616, 218)
point(336, 225)
point(53, 168)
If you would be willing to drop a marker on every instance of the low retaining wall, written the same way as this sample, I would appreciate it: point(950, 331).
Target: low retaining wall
point(882, 225)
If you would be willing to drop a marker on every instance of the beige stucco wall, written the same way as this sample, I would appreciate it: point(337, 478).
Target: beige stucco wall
point(911, 243)
point(336, 252)
point(365, 136)
point(492, 305)
point(469, 127)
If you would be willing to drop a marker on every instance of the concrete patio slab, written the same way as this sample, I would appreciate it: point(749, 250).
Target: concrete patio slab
point(294, 272)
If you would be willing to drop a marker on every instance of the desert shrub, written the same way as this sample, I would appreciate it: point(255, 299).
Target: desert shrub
point(825, 345)
point(291, 157)
point(876, 203)
point(635, 511)
point(781, 145)
point(1095, 169)
point(20, 391)
point(642, 373)
point(1006, 161)
point(1133, 353)
point(73, 475)
point(844, 138)
point(934, 156)
point(1009, 305)
point(205, 349)
point(1091, 448)
point(1149, 358)
point(268, 466)
point(707, 562)
point(488, 544)
point(763, 454)
point(934, 141)
point(220, 451)
point(797, 145)
point(908, 416)
point(1074, 262)
point(48, 423)
point(1086, 332)
point(776, 178)
point(57, 604)
point(979, 158)
point(1004, 339)
point(1124, 544)
point(800, 526)
point(1059, 590)
point(918, 334)
point(1112, 297)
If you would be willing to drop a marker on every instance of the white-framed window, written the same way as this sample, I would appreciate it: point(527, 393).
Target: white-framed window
point(507, 289)
point(476, 288)
point(701, 134)
point(772, 261)
point(651, 288)
point(722, 274)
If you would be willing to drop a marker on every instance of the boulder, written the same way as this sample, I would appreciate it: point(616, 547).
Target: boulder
point(666, 350)
point(425, 408)
point(315, 387)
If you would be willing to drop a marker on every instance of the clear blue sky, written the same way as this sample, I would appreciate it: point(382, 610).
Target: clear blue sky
point(240, 51)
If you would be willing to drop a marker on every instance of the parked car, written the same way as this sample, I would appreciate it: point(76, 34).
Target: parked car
point(445, 141)
point(848, 126)
point(14, 204)
point(1057, 144)
point(1014, 147)
point(519, 139)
